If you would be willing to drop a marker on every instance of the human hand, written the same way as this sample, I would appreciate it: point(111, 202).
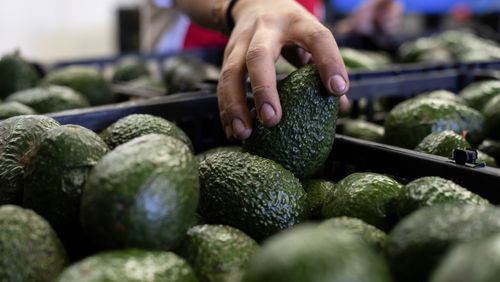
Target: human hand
point(262, 30)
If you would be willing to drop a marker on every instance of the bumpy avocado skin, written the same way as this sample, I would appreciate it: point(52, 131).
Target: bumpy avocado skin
point(29, 248)
point(442, 143)
point(203, 155)
point(85, 80)
point(317, 193)
point(19, 138)
point(477, 94)
point(130, 265)
point(474, 261)
point(364, 196)
point(251, 193)
point(144, 194)
point(308, 253)
point(419, 241)
point(410, 121)
point(492, 114)
point(218, 253)
point(136, 125)
point(48, 99)
point(433, 190)
point(303, 139)
point(16, 74)
point(12, 109)
point(364, 130)
point(369, 233)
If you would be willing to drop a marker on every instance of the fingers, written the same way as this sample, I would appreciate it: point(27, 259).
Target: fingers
point(261, 56)
point(296, 55)
point(344, 103)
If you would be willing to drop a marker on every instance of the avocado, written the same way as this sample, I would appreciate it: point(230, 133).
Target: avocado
point(491, 147)
point(148, 82)
point(433, 190)
point(317, 191)
point(308, 253)
point(128, 69)
point(29, 248)
point(425, 49)
point(56, 175)
point(19, 138)
point(477, 94)
point(12, 109)
point(132, 126)
point(251, 193)
point(492, 114)
point(51, 98)
point(203, 155)
point(130, 265)
point(369, 233)
point(184, 73)
point(442, 143)
point(217, 252)
point(487, 159)
point(85, 80)
point(473, 261)
point(363, 130)
point(364, 196)
point(419, 241)
point(410, 121)
point(144, 193)
point(357, 59)
point(16, 74)
point(303, 139)
point(442, 95)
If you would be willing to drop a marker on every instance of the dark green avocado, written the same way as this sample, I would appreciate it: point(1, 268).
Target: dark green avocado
point(144, 194)
point(16, 74)
point(477, 94)
point(303, 139)
point(129, 69)
point(29, 248)
point(217, 253)
point(19, 138)
point(442, 143)
point(251, 193)
point(317, 194)
point(203, 155)
point(491, 147)
point(12, 109)
point(492, 114)
point(369, 233)
point(363, 130)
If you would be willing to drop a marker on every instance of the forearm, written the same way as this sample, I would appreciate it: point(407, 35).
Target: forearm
point(207, 13)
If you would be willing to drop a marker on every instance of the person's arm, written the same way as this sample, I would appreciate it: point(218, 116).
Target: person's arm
point(263, 28)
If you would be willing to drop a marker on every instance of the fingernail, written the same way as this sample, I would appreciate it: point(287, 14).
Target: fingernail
point(338, 84)
point(228, 131)
point(239, 129)
point(267, 112)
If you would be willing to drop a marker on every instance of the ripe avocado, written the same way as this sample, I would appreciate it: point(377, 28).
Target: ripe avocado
point(130, 265)
point(16, 74)
point(12, 109)
point(19, 138)
point(144, 193)
point(50, 98)
point(132, 126)
point(129, 69)
point(203, 155)
point(218, 253)
point(363, 196)
point(492, 114)
point(477, 94)
point(251, 193)
point(433, 190)
point(473, 261)
point(369, 233)
point(85, 80)
point(410, 121)
point(419, 241)
point(363, 130)
point(303, 139)
point(309, 253)
point(317, 193)
point(442, 143)
point(56, 175)
point(29, 248)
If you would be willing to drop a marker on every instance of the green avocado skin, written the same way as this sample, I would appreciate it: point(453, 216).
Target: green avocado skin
point(12, 109)
point(130, 265)
point(19, 138)
point(129, 69)
point(218, 253)
point(414, 251)
point(132, 126)
point(309, 253)
point(492, 113)
point(203, 155)
point(317, 191)
point(364, 130)
point(303, 139)
point(29, 248)
point(363, 196)
point(411, 121)
point(433, 190)
point(477, 94)
point(442, 95)
point(442, 143)
point(56, 175)
point(491, 147)
point(16, 74)
point(48, 99)
point(251, 193)
point(142, 194)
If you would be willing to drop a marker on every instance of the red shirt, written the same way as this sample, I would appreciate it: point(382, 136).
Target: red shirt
point(197, 36)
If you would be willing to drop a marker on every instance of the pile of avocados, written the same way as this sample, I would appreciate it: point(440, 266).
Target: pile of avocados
point(137, 202)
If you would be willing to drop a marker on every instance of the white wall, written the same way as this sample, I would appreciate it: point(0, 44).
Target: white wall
point(54, 30)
